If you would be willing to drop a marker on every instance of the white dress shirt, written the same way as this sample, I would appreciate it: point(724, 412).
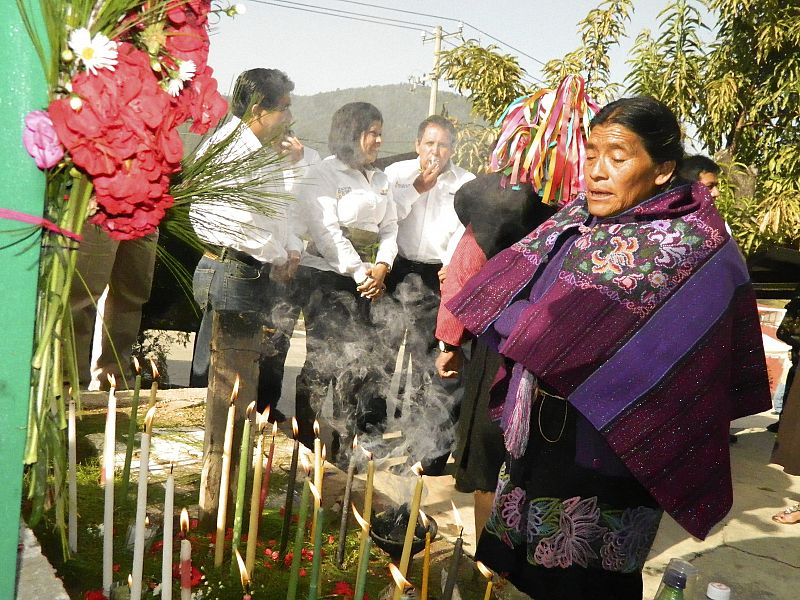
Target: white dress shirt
point(335, 195)
point(266, 238)
point(428, 227)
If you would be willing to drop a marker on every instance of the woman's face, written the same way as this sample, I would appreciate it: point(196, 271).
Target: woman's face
point(371, 142)
point(619, 172)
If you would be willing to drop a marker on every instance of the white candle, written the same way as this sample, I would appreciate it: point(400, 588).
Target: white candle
point(252, 533)
point(186, 558)
point(224, 479)
point(72, 525)
point(166, 551)
point(107, 482)
point(141, 506)
point(317, 476)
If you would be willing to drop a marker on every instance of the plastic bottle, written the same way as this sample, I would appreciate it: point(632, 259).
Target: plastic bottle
point(672, 585)
point(718, 591)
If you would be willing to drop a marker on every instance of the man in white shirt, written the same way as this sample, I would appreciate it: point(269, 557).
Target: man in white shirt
point(252, 257)
point(428, 232)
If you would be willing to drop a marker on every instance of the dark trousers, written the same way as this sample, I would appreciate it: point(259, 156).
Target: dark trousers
point(230, 285)
point(343, 351)
point(413, 289)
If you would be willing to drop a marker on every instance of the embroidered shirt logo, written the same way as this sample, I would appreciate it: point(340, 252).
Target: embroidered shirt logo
point(341, 192)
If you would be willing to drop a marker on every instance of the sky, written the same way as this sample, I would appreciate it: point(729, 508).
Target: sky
point(321, 52)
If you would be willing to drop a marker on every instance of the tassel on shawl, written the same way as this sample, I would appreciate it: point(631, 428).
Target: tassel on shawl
point(517, 429)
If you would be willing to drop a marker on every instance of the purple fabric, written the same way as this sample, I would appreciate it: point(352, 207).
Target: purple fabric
point(663, 340)
point(636, 300)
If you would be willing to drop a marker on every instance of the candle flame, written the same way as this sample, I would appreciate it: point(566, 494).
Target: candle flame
point(235, 391)
point(112, 381)
point(316, 428)
point(184, 521)
point(424, 518)
point(148, 420)
point(154, 369)
point(485, 571)
point(130, 580)
point(136, 365)
point(274, 428)
point(457, 516)
point(295, 428)
point(367, 453)
point(361, 522)
point(315, 492)
point(242, 570)
point(305, 463)
point(262, 421)
point(324, 453)
point(399, 580)
point(355, 442)
point(249, 410)
point(417, 468)
point(147, 521)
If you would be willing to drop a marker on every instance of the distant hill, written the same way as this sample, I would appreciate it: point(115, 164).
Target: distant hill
point(402, 111)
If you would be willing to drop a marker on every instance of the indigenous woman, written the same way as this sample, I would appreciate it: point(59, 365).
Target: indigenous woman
point(631, 339)
point(353, 228)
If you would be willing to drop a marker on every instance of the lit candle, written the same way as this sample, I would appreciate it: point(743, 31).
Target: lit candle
point(185, 558)
point(166, 550)
point(452, 572)
point(402, 585)
point(313, 585)
point(348, 488)
point(287, 509)
point(426, 557)
point(243, 575)
point(141, 506)
point(363, 558)
point(486, 572)
point(317, 475)
point(268, 472)
point(294, 574)
point(224, 480)
point(245, 454)
point(413, 514)
point(154, 385)
point(252, 532)
point(132, 425)
point(107, 482)
point(72, 525)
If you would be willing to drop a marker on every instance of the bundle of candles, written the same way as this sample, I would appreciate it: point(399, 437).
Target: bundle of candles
point(255, 432)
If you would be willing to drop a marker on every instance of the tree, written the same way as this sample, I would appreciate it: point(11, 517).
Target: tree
point(741, 94)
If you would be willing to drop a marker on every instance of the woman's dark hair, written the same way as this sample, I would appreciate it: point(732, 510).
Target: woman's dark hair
point(264, 87)
point(347, 125)
point(652, 121)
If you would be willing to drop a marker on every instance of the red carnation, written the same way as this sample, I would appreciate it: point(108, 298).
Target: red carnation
point(95, 595)
point(208, 106)
point(343, 589)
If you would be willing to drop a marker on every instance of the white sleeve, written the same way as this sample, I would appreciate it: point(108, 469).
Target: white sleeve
point(387, 233)
point(403, 191)
point(451, 245)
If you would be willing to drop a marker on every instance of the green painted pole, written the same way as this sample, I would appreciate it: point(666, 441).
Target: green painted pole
point(23, 89)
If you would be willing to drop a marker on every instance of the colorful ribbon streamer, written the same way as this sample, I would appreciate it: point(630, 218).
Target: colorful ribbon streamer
point(543, 140)
point(14, 215)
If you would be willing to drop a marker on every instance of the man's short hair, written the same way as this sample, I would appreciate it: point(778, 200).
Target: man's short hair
point(692, 166)
point(264, 87)
point(438, 121)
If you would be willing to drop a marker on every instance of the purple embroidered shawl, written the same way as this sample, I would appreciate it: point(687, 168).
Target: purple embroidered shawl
point(650, 330)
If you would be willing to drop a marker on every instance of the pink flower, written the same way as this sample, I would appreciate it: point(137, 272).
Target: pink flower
point(40, 139)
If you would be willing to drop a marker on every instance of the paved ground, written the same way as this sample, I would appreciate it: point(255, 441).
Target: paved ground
point(758, 558)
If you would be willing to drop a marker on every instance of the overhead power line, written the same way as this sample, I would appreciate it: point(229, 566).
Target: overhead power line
point(310, 8)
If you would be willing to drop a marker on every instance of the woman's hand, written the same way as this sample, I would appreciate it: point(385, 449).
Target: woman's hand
point(373, 286)
point(448, 364)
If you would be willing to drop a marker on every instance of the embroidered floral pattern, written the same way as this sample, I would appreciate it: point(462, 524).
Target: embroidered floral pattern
point(573, 532)
point(626, 544)
point(620, 256)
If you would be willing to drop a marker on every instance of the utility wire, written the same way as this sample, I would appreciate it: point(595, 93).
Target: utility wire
point(332, 14)
point(348, 12)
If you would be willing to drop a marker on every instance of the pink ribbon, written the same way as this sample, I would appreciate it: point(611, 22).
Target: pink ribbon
point(13, 215)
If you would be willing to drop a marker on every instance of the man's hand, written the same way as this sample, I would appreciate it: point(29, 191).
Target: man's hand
point(448, 364)
point(373, 287)
point(442, 274)
point(285, 272)
point(292, 148)
point(428, 176)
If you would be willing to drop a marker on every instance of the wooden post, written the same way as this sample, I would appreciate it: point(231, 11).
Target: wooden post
point(24, 90)
point(235, 348)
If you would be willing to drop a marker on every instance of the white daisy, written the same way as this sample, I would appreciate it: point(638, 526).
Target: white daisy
point(173, 86)
point(186, 70)
point(96, 52)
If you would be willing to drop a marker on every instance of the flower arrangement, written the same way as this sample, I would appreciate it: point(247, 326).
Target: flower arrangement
point(122, 76)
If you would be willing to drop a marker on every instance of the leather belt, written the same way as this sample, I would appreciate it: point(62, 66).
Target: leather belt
point(222, 254)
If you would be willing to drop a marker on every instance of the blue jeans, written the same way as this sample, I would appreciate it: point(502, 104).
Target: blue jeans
point(233, 286)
